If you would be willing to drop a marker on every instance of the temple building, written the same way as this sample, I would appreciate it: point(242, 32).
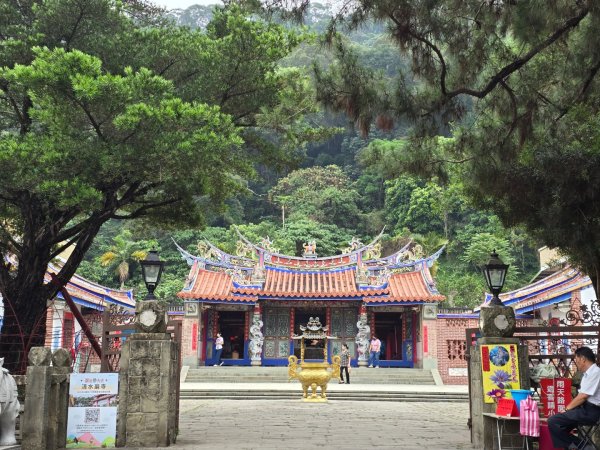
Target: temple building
point(258, 298)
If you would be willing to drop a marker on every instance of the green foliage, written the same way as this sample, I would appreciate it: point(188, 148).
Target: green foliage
point(329, 238)
point(322, 194)
point(238, 65)
point(109, 111)
point(516, 85)
point(460, 287)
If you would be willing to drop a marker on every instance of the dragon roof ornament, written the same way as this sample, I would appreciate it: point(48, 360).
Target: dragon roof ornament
point(214, 257)
point(401, 260)
point(274, 252)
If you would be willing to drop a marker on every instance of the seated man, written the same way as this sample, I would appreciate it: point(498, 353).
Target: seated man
point(584, 409)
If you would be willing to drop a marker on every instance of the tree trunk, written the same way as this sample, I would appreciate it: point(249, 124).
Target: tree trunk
point(24, 327)
point(26, 294)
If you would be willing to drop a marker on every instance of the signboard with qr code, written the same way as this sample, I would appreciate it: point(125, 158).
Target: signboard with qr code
point(92, 419)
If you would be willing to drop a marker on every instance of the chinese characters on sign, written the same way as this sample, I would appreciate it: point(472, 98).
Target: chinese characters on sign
point(556, 395)
point(92, 419)
point(500, 370)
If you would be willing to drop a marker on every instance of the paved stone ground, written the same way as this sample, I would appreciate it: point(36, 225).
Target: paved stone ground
point(283, 424)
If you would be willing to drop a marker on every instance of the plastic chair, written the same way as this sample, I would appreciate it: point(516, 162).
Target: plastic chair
point(586, 434)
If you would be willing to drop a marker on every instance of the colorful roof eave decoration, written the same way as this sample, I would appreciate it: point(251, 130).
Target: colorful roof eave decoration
point(550, 288)
point(390, 262)
point(93, 295)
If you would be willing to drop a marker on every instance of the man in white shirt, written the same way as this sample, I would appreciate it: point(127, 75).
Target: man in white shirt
point(583, 409)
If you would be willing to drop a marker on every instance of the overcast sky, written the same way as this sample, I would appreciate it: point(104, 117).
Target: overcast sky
point(172, 4)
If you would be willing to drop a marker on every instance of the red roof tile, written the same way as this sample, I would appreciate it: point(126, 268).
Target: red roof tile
point(209, 285)
point(280, 283)
point(408, 287)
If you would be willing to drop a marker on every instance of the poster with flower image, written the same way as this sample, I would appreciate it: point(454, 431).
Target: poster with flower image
point(500, 367)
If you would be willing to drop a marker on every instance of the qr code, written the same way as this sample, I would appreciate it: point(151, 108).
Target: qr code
point(92, 415)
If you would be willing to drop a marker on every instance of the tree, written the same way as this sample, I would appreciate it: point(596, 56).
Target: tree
point(123, 254)
point(101, 119)
point(330, 238)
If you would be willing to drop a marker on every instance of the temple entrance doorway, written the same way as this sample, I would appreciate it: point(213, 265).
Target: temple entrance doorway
point(388, 328)
point(231, 326)
point(313, 350)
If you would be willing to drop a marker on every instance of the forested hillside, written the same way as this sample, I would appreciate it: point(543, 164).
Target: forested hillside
point(334, 186)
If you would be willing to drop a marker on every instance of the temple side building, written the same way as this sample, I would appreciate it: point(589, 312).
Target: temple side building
point(91, 299)
point(258, 298)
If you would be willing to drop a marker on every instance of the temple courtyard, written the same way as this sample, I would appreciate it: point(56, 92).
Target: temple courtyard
point(293, 424)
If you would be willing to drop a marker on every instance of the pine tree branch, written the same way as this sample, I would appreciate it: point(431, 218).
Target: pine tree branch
point(503, 73)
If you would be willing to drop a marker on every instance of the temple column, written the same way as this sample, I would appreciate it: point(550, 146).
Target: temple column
point(256, 338)
point(362, 337)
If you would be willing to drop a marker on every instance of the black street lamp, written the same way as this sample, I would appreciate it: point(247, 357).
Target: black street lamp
point(495, 274)
point(152, 268)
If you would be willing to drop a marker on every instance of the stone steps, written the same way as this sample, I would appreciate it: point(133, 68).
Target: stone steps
point(382, 395)
point(280, 375)
point(357, 379)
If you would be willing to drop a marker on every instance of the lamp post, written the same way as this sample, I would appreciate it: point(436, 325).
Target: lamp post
point(495, 274)
point(496, 319)
point(152, 268)
point(151, 316)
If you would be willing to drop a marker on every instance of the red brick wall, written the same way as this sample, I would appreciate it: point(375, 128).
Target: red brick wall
point(451, 348)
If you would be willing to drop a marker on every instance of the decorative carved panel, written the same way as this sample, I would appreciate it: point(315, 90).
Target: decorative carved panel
point(457, 349)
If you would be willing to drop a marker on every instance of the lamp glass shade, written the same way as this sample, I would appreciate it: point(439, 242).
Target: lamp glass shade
point(495, 273)
point(152, 268)
point(564, 307)
point(495, 278)
point(151, 273)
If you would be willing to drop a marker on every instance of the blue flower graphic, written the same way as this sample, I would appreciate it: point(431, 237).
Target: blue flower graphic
point(501, 378)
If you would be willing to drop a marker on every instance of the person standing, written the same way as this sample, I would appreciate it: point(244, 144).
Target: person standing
point(374, 348)
point(219, 348)
point(345, 364)
point(584, 409)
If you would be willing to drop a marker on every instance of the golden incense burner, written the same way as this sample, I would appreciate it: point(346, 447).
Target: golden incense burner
point(313, 375)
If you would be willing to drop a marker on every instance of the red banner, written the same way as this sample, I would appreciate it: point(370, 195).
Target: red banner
point(556, 395)
point(425, 340)
point(194, 336)
point(485, 358)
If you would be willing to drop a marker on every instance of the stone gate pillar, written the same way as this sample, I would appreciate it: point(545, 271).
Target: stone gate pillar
point(44, 422)
point(148, 382)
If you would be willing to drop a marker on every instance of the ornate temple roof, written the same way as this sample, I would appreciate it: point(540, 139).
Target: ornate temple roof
point(90, 294)
point(358, 273)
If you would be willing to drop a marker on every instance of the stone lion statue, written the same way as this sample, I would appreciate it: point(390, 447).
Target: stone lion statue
point(9, 406)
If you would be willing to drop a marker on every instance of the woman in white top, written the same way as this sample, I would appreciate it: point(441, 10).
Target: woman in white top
point(219, 349)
